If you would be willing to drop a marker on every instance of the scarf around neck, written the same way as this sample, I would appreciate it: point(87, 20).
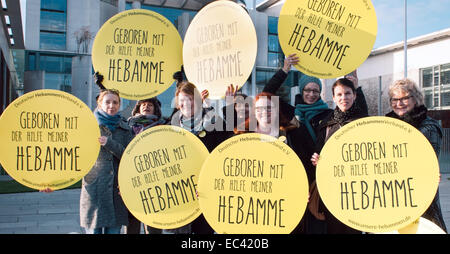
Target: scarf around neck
point(415, 117)
point(306, 112)
point(142, 122)
point(198, 122)
point(111, 122)
point(351, 114)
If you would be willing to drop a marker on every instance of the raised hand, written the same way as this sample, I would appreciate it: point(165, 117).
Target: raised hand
point(290, 60)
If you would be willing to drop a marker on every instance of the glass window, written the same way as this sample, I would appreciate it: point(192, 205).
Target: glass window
point(273, 43)
point(58, 5)
point(273, 60)
point(55, 63)
point(58, 81)
point(427, 75)
point(428, 100)
point(49, 40)
point(445, 99)
point(445, 74)
point(170, 13)
point(67, 65)
point(53, 21)
point(31, 62)
point(273, 25)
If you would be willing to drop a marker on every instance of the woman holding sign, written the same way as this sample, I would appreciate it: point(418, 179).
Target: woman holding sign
point(408, 105)
point(270, 120)
point(101, 207)
point(344, 95)
point(203, 123)
point(309, 108)
point(146, 114)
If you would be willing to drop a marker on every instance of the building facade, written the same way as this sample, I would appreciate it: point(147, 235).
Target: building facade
point(59, 35)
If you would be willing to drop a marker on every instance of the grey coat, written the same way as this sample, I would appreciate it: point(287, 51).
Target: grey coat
point(100, 202)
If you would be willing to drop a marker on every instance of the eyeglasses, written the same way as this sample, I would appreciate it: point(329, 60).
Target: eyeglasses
point(261, 109)
point(404, 100)
point(311, 91)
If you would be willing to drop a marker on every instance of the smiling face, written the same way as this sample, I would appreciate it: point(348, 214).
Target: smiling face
point(186, 104)
point(311, 93)
point(344, 97)
point(147, 108)
point(402, 102)
point(110, 104)
point(263, 111)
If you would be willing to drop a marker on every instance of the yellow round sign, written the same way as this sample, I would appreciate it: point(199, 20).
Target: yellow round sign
point(137, 52)
point(49, 139)
point(419, 226)
point(158, 176)
point(377, 174)
point(219, 48)
point(332, 38)
point(253, 184)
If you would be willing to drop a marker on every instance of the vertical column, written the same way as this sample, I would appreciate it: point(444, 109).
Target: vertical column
point(121, 6)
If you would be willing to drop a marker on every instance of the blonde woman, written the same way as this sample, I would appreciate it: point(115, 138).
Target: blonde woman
point(407, 104)
point(102, 210)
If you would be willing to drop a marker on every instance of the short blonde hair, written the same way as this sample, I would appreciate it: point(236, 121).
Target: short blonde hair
point(408, 86)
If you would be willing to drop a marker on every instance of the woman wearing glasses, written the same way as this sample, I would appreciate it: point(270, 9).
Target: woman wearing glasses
point(270, 120)
point(408, 105)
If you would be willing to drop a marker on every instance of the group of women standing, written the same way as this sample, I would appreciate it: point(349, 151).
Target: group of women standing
point(306, 127)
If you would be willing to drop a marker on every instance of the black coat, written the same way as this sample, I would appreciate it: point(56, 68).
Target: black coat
point(289, 111)
point(432, 130)
point(211, 139)
point(327, 127)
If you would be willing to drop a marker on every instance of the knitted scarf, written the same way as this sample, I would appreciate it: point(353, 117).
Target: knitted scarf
point(111, 122)
point(197, 122)
point(343, 118)
point(305, 112)
point(142, 122)
point(415, 117)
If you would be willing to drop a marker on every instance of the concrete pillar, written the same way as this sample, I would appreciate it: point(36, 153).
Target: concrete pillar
point(121, 5)
point(136, 4)
point(33, 80)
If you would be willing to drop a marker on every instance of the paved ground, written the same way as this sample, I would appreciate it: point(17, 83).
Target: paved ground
point(58, 212)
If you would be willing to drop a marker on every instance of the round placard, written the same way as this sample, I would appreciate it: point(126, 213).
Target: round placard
point(158, 176)
point(332, 38)
point(253, 184)
point(219, 48)
point(419, 226)
point(137, 52)
point(377, 174)
point(49, 139)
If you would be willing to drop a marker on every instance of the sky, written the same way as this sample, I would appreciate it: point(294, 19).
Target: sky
point(424, 17)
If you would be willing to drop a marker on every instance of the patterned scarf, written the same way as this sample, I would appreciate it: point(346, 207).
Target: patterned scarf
point(140, 122)
point(198, 122)
point(351, 114)
point(111, 122)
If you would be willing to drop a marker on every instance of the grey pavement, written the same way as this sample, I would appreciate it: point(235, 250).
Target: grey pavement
point(58, 212)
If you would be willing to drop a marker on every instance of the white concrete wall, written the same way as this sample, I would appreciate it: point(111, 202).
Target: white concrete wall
point(33, 23)
point(392, 63)
point(260, 20)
